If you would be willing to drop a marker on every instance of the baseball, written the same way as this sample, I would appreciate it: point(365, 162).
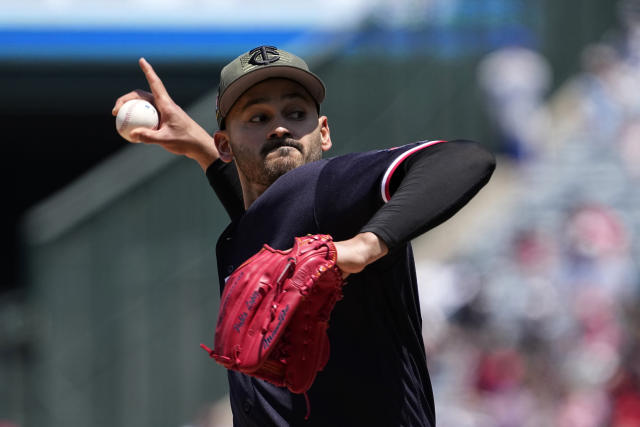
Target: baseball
point(134, 114)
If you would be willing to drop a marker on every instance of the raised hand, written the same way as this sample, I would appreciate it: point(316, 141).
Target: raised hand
point(177, 132)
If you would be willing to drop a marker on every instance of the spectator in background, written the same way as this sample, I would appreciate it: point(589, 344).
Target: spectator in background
point(516, 81)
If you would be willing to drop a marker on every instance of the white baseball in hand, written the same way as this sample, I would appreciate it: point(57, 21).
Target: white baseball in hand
point(134, 114)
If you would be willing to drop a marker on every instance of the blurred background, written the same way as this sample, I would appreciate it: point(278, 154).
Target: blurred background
point(529, 295)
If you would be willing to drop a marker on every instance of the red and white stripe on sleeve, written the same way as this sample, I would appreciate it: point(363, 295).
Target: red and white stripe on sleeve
point(386, 179)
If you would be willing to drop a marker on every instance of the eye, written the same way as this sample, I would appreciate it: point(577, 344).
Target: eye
point(257, 118)
point(297, 115)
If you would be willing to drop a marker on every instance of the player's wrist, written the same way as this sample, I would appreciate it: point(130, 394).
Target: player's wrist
point(374, 247)
point(199, 146)
point(205, 156)
point(361, 250)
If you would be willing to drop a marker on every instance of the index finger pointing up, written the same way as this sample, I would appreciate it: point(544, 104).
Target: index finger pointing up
point(155, 84)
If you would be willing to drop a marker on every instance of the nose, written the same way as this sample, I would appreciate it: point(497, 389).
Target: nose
point(280, 131)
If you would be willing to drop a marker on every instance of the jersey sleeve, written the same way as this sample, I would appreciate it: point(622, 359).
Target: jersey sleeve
point(401, 192)
point(428, 187)
point(223, 178)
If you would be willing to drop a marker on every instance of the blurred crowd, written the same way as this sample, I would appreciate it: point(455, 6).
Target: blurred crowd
point(537, 323)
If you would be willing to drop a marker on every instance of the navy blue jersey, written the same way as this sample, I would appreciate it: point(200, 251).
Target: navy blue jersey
point(377, 372)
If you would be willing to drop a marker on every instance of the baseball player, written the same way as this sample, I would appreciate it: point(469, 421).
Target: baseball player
point(266, 165)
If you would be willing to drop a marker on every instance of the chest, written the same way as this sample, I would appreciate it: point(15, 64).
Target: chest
point(284, 211)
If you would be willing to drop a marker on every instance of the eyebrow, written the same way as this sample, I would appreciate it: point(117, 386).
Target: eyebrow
point(254, 101)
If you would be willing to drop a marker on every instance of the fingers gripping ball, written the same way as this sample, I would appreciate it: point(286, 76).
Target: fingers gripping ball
point(134, 114)
point(274, 313)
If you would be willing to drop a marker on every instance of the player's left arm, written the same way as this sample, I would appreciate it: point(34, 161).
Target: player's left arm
point(426, 189)
point(361, 250)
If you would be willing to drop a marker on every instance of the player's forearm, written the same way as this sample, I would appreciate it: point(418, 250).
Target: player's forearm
point(185, 136)
point(356, 253)
point(203, 150)
point(437, 184)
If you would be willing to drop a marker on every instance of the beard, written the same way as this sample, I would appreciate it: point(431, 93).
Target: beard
point(277, 157)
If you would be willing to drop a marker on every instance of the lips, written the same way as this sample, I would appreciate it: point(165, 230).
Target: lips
point(274, 144)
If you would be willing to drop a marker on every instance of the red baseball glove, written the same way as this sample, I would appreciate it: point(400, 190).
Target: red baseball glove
point(274, 313)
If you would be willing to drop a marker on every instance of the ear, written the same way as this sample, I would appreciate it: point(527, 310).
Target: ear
point(325, 133)
point(221, 139)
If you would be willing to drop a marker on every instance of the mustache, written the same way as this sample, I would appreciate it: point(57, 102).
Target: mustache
point(272, 144)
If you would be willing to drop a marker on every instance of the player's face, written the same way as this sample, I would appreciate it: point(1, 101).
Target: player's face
point(273, 128)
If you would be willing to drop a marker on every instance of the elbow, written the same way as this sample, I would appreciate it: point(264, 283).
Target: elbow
point(486, 161)
point(475, 159)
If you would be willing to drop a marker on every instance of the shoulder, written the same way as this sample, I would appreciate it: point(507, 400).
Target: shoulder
point(386, 153)
point(374, 162)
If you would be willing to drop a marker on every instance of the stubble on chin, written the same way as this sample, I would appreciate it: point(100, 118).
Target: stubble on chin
point(281, 162)
point(279, 159)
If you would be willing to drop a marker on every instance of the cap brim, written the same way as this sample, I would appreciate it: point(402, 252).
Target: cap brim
point(308, 80)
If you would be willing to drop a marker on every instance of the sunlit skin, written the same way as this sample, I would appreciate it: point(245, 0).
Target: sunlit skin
point(271, 129)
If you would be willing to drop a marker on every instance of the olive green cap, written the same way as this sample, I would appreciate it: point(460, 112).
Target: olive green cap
point(262, 63)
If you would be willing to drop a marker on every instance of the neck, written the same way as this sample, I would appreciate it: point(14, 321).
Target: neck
point(250, 191)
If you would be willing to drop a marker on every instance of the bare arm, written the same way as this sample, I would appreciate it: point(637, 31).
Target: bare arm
point(356, 253)
point(177, 132)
